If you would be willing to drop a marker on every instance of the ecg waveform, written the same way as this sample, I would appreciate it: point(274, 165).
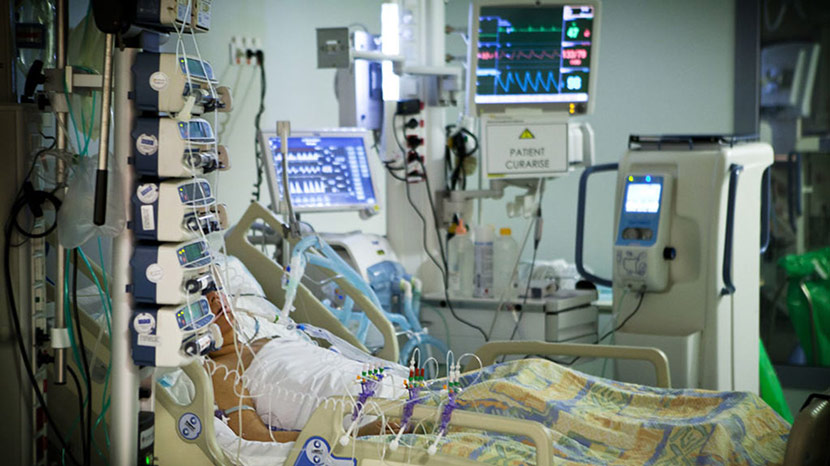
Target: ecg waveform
point(527, 81)
point(520, 55)
point(530, 55)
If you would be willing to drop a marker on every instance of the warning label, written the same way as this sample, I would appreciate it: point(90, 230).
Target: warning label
point(522, 150)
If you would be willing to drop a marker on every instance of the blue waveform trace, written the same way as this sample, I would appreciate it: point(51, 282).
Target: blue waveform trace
point(527, 81)
point(501, 22)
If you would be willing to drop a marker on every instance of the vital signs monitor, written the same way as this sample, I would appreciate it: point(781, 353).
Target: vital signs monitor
point(328, 170)
point(529, 54)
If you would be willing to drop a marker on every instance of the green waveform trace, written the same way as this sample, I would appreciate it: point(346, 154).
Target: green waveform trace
point(512, 30)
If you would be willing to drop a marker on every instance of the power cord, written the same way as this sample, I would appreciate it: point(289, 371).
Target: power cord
point(87, 437)
point(405, 179)
point(11, 224)
point(537, 239)
point(457, 145)
point(260, 166)
point(527, 290)
point(614, 330)
point(81, 414)
point(443, 253)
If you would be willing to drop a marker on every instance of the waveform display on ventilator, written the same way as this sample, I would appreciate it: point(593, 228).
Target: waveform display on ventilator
point(325, 172)
point(533, 54)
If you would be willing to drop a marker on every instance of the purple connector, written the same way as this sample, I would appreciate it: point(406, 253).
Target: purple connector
point(447, 413)
point(409, 406)
point(367, 390)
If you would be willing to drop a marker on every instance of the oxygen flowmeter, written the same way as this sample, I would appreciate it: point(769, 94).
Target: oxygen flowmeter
point(172, 336)
point(167, 148)
point(171, 274)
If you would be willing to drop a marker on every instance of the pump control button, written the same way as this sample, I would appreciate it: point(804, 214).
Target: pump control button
point(631, 233)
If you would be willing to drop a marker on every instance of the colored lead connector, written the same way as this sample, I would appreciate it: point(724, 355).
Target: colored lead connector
point(413, 385)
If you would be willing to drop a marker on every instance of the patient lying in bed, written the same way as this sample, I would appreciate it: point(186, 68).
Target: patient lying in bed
point(591, 420)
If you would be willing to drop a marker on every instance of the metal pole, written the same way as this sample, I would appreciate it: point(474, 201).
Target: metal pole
point(60, 177)
point(100, 213)
point(123, 426)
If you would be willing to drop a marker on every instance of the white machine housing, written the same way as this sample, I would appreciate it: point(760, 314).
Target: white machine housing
point(362, 169)
point(163, 272)
point(361, 250)
point(180, 211)
point(170, 84)
point(687, 310)
point(520, 146)
point(565, 106)
point(180, 149)
point(642, 239)
point(174, 336)
point(529, 136)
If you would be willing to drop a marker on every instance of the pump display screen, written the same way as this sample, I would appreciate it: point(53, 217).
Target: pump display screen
point(188, 315)
point(193, 253)
point(195, 129)
point(326, 173)
point(533, 54)
point(198, 69)
point(195, 193)
point(643, 198)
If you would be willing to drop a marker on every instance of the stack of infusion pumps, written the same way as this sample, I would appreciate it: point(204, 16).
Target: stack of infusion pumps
point(174, 211)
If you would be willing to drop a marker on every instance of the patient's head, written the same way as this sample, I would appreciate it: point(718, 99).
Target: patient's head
point(219, 306)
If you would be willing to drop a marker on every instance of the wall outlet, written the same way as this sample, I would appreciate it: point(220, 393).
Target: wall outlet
point(243, 50)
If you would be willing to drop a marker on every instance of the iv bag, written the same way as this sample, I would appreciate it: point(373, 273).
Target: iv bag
point(75, 225)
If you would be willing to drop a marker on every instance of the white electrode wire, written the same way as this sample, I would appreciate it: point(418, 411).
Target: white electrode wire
point(450, 360)
point(773, 25)
point(226, 304)
point(181, 53)
point(437, 366)
point(504, 294)
point(416, 351)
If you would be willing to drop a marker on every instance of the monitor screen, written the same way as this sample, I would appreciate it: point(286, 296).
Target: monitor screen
point(643, 198)
point(326, 172)
point(533, 54)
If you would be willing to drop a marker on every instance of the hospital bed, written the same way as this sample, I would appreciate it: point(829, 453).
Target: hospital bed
point(806, 445)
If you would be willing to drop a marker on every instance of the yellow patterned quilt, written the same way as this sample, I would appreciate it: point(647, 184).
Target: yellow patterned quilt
point(595, 421)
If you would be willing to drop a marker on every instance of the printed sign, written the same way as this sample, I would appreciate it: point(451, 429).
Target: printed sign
point(520, 149)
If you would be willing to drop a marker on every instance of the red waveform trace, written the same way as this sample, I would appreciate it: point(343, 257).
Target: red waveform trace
point(518, 55)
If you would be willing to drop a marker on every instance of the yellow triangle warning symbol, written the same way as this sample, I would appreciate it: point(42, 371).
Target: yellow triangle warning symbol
point(526, 134)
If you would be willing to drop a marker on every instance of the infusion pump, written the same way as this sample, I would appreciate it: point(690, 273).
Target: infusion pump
point(167, 83)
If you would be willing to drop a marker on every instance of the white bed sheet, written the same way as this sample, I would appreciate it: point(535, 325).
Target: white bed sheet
point(248, 452)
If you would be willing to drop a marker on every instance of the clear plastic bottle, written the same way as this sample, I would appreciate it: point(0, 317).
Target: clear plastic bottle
point(483, 276)
point(460, 263)
point(505, 253)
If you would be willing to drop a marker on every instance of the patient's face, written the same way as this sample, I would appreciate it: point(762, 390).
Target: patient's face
point(219, 305)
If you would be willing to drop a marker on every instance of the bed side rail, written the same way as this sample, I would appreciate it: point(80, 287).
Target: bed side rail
point(326, 422)
point(308, 308)
point(807, 445)
point(490, 351)
point(171, 447)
